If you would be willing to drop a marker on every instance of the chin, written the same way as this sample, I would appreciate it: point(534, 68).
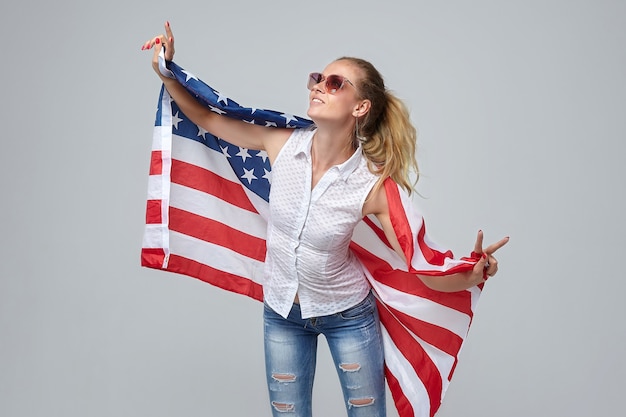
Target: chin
point(311, 113)
point(317, 111)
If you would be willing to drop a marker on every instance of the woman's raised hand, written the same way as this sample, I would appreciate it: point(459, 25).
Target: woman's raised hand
point(487, 266)
point(161, 41)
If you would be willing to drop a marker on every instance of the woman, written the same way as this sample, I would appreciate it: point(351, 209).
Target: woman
point(325, 179)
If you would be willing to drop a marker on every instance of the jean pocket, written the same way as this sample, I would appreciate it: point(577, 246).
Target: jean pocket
point(364, 308)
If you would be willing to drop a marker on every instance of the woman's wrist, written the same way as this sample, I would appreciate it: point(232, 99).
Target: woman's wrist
point(162, 66)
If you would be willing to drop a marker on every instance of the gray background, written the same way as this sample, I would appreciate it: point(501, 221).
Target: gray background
point(521, 111)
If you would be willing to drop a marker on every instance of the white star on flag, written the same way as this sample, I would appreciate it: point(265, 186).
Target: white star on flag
point(189, 76)
point(262, 154)
point(289, 117)
point(221, 98)
point(202, 132)
point(267, 175)
point(249, 175)
point(243, 154)
point(216, 110)
point(176, 120)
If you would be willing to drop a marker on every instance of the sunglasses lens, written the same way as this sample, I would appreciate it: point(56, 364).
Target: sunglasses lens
point(314, 78)
point(334, 83)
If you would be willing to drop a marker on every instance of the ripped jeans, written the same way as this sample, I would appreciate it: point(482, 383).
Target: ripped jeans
point(355, 343)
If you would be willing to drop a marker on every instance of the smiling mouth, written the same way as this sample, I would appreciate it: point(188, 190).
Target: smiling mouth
point(317, 100)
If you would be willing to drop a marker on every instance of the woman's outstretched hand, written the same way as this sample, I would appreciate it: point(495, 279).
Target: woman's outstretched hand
point(161, 41)
point(487, 266)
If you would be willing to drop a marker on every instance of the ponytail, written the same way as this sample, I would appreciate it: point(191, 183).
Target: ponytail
point(386, 133)
point(390, 147)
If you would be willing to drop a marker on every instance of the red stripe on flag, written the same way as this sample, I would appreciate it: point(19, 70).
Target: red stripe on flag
point(398, 219)
point(456, 361)
point(221, 279)
point(408, 282)
point(442, 338)
point(424, 367)
point(152, 257)
point(218, 233)
point(404, 233)
point(404, 407)
point(201, 179)
point(462, 267)
point(153, 212)
point(380, 234)
point(156, 163)
point(433, 256)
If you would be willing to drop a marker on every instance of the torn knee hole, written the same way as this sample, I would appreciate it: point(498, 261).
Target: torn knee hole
point(350, 367)
point(284, 377)
point(361, 402)
point(283, 407)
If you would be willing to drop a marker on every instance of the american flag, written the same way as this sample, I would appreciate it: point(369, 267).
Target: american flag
point(206, 217)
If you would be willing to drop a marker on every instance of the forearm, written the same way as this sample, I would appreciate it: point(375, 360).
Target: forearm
point(237, 132)
point(196, 112)
point(451, 283)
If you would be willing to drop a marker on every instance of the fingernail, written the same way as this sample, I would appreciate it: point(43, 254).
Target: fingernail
point(171, 39)
point(167, 23)
point(157, 41)
point(484, 256)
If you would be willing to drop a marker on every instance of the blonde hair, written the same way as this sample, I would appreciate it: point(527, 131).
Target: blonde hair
point(389, 139)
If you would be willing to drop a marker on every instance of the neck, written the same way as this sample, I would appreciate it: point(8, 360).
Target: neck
point(332, 147)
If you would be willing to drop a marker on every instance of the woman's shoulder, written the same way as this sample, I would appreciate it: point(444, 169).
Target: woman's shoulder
point(303, 132)
point(297, 141)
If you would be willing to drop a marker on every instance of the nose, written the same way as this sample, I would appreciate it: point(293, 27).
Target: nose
point(317, 86)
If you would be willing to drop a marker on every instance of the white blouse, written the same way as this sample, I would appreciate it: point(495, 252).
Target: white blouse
point(309, 232)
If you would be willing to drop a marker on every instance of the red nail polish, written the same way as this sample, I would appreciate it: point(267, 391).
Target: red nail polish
point(157, 41)
point(167, 23)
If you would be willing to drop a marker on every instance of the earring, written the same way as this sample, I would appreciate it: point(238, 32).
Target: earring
point(361, 139)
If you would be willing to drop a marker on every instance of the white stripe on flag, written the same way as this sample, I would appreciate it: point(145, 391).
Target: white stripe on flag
point(427, 310)
point(411, 386)
point(158, 187)
point(365, 237)
point(211, 207)
point(216, 256)
point(198, 154)
point(153, 236)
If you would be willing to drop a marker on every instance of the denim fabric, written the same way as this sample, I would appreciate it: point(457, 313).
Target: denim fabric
point(355, 343)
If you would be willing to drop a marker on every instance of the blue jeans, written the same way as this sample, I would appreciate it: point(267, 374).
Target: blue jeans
point(355, 343)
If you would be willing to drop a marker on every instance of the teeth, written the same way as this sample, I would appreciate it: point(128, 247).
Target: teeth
point(317, 100)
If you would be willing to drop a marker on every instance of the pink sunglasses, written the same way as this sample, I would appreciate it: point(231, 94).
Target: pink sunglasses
point(333, 83)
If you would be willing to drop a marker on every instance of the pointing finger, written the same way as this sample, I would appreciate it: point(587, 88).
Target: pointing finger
point(147, 45)
point(168, 30)
point(478, 246)
point(495, 246)
point(168, 42)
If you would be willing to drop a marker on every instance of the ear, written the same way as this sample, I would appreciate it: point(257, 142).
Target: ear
point(361, 108)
